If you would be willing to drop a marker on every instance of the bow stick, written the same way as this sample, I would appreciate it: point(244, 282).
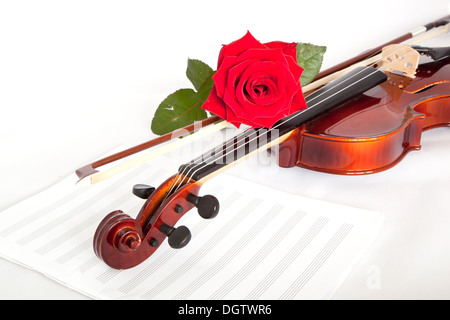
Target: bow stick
point(441, 28)
point(89, 169)
point(366, 54)
point(95, 176)
point(419, 35)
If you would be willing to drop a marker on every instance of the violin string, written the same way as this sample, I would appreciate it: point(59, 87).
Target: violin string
point(188, 176)
point(183, 175)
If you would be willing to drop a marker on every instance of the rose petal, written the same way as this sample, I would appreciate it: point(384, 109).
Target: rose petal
point(231, 116)
point(294, 68)
point(239, 46)
point(220, 77)
point(234, 75)
point(261, 89)
point(263, 122)
point(264, 74)
point(235, 106)
point(215, 105)
point(236, 119)
point(289, 49)
point(298, 103)
point(284, 81)
point(274, 55)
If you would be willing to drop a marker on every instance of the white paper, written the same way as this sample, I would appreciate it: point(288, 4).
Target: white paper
point(264, 244)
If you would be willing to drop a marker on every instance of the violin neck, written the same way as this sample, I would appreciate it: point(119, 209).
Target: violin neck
point(324, 99)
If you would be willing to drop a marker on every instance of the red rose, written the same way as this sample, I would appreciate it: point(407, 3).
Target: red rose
point(256, 84)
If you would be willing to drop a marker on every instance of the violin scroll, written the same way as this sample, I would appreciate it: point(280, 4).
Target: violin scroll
point(116, 237)
point(123, 242)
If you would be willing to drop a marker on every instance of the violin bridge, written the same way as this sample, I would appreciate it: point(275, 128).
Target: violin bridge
point(400, 59)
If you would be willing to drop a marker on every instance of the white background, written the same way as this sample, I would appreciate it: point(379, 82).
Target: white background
point(78, 78)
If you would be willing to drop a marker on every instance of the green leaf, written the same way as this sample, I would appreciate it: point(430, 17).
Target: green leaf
point(205, 89)
point(198, 72)
point(178, 110)
point(310, 58)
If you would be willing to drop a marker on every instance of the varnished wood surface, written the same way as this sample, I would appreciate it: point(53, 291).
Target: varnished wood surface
point(375, 131)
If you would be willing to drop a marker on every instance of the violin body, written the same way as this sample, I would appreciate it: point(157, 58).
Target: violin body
point(374, 131)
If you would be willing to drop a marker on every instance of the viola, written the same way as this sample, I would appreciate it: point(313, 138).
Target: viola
point(363, 122)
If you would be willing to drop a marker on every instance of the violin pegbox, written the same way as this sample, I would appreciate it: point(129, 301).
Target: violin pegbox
point(123, 242)
point(400, 59)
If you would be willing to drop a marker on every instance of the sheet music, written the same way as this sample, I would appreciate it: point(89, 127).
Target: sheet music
point(264, 244)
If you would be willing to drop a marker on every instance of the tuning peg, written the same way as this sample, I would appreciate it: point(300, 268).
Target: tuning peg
point(178, 237)
point(143, 191)
point(207, 206)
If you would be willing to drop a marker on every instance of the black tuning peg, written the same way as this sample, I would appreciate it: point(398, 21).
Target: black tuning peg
point(143, 191)
point(178, 237)
point(207, 206)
